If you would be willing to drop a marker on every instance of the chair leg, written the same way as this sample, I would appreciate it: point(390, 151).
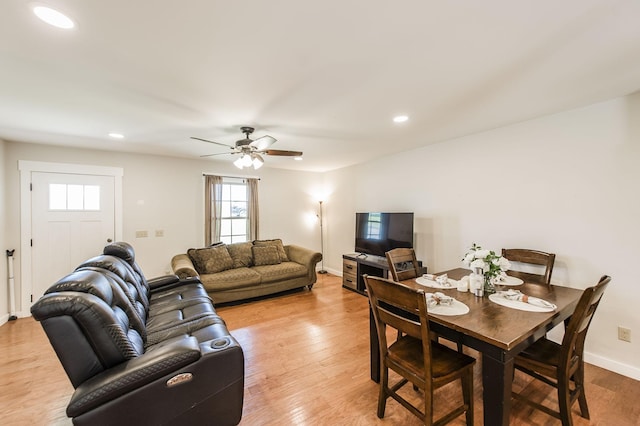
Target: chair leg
point(427, 413)
point(467, 395)
point(582, 398)
point(382, 396)
point(564, 401)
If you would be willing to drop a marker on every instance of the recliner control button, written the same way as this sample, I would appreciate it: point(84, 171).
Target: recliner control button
point(179, 378)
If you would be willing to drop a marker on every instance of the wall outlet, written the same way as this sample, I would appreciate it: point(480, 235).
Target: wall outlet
point(624, 334)
point(142, 234)
point(159, 232)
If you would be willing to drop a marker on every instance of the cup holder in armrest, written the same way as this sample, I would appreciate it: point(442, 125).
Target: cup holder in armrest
point(220, 343)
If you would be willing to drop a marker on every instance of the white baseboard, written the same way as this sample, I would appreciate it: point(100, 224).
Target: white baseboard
point(5, 318)
point(331, 271)
point(334, 272)
point(612, 365)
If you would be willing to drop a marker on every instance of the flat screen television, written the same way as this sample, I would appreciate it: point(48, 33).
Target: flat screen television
point(377, 233)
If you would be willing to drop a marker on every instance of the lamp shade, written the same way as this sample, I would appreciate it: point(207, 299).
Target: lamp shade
point(257, 161)
point(239, 163)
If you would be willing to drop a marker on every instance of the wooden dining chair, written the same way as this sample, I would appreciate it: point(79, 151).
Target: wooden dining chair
point(414, 356)
point(399, 259)
point(532, 257)
point(562, 365)
point(403, 264)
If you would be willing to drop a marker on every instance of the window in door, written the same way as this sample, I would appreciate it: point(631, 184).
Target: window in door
point(72, 197)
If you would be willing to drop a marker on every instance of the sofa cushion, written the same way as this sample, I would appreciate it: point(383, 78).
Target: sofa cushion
point(282, 271)
point(230, 279)
point(277, 243)
point(241, 254)
point(211, 259)
point(267, 255)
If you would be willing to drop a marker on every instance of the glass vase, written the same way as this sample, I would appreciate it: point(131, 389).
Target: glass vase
point(489, 286)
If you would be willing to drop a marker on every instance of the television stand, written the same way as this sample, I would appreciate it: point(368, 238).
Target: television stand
point(354, 266)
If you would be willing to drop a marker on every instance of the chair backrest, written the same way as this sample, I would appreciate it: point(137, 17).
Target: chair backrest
point(132, 285)
point(576, 331)
point(125, 251)
point(403, 264)
point(403, 308)
point(532, 257)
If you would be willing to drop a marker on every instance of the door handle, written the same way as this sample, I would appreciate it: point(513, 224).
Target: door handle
point(109, 240)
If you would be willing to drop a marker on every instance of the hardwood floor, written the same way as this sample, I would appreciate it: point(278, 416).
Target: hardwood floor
point(307, 363)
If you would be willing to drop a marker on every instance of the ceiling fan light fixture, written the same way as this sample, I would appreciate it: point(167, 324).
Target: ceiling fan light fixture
point(246, 160)
point(298, 158)
point(257, 161)
point(239, 162)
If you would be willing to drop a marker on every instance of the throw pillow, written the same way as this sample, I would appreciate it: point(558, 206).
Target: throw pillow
point(277, 243)
point(241, 254)
point(211, 259)
point(265, 255)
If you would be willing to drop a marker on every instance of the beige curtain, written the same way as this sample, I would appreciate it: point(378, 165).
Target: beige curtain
point(252, 209)
point(212, 209)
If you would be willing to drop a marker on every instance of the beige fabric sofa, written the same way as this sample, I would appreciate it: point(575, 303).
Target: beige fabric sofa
point(244, 270)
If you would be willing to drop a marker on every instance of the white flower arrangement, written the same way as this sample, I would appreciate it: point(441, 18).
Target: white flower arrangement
point(491, 264)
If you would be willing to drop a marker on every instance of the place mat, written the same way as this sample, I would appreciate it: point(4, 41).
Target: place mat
point(516, 304)
point(456, 308)
point(508, 280)
point(434, 284)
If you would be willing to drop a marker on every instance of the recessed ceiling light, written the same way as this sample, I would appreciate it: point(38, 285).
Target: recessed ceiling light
point(116, 135)
point(53, 17)
point(400, 118)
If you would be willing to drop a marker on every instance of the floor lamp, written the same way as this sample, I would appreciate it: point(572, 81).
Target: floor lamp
point(322, 270)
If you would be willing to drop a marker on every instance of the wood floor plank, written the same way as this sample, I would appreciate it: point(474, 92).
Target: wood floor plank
point(307, 363)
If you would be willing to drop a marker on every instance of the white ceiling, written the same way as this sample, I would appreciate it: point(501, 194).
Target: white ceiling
point(325, 78)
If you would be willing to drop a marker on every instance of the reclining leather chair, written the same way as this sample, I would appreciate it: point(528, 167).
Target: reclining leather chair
point(141, 352)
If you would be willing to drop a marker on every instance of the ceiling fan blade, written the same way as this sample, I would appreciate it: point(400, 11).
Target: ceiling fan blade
point(283, 153)
point(219, 153)
point(217, 143)
point(263, 143)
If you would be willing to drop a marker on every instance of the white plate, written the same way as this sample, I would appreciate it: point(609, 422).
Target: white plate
point(516, 304)
point(510, 281)
point(430, 283)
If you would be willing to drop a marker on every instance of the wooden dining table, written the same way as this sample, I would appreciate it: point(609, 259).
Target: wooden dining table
point(498, 332)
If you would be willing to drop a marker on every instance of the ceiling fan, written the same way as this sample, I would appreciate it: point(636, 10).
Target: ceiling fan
point(250, 149)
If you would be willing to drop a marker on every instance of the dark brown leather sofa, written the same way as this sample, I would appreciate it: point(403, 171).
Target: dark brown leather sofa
point(138, 351)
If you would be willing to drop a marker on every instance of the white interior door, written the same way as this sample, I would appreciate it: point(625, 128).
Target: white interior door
point(72, 219)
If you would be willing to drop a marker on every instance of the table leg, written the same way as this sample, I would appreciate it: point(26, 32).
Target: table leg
point(497, 377)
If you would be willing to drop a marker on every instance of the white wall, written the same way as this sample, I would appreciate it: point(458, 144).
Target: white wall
point(566, 183)
point(162, 193)
point(4, 293)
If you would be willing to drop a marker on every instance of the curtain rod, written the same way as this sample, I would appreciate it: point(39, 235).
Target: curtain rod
point(232, 176)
